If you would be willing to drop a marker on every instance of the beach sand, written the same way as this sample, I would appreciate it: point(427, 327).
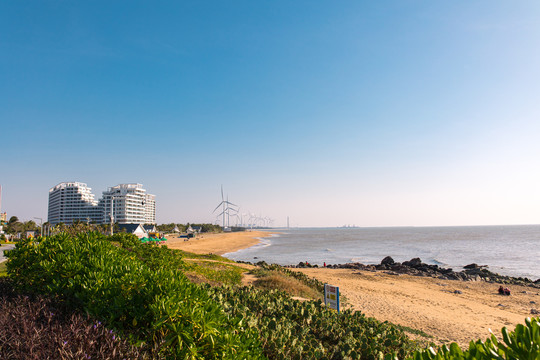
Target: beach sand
point(222, 243)
point(432, 305)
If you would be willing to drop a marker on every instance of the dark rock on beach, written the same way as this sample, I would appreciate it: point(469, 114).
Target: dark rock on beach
point(415, 267)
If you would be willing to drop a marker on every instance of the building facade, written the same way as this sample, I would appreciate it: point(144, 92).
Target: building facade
point(128, 204)
point(150, 209)
point(72, 201)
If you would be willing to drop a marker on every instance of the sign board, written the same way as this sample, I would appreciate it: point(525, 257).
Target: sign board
point(331, 296)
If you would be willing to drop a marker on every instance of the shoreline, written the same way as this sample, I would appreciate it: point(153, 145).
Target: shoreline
point(217, 243)
point(449, 310)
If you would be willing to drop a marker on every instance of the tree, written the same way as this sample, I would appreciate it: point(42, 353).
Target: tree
point(30, 225)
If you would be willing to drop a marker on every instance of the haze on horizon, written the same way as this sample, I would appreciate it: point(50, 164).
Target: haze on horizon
point(402, 113)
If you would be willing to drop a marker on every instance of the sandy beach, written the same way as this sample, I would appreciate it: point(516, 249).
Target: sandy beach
point(219, 244)
point(448, 310)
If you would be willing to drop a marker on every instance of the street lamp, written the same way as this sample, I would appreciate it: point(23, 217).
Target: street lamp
point(40, 224)
point(112, 210)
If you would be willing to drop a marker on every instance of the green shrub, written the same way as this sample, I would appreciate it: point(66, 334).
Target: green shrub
point(291, 329)
point(136, 289)
point(521, 344)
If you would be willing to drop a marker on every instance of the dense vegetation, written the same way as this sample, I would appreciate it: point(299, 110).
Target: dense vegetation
point(139, 290)
point(144, 294)
point(38, 328)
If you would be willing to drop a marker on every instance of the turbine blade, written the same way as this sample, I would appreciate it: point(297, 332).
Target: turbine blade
point(217, 207)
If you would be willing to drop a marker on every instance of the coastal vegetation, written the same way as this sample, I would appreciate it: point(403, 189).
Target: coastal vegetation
point(167, 228)
point(164, 303)
point(37, 327)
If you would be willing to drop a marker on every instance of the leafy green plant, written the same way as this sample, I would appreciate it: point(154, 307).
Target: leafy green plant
point(138, 290)
point(291, 329)
point(40, 328)
point(521, 344)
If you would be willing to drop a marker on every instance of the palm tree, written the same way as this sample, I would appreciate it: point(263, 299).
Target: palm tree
point(30, 225)
point(14, 226)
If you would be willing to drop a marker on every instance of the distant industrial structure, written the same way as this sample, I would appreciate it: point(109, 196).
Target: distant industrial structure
point(122, 204)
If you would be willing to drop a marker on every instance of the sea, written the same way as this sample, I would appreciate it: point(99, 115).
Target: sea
point(512, 250)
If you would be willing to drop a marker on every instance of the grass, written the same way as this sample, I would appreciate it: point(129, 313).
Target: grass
point(190, 255)
point(271, 279)
point(3, 268)
point(213, 273)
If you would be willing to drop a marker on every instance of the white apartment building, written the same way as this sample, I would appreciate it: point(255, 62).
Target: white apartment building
point(150, 209)
point(130, 204)
point(71, 201)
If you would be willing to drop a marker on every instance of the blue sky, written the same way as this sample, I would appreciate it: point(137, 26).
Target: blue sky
point(396, 113)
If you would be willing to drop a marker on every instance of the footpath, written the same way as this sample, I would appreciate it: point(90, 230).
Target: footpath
point(5, 248)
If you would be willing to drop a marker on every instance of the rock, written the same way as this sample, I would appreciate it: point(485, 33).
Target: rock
point(535, 312)
point(416, 262)
point(457, 292)
point(387, 261)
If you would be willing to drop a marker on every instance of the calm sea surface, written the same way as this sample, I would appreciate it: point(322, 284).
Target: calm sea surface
point(508, 250)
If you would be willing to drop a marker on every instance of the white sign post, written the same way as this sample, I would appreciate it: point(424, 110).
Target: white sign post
point(331, 296)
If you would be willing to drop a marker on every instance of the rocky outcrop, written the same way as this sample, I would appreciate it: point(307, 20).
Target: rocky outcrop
point(415, 267)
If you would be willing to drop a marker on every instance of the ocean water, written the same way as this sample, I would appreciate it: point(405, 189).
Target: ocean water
point(507, 250)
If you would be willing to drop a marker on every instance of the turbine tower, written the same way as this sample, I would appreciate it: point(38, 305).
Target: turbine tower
point(227, 206)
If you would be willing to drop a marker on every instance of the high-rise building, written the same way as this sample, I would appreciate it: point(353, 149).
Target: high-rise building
point(72, 201)
point(150, 209)
point(129, 205)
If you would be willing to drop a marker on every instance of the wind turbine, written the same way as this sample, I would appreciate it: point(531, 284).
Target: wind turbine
point(225, 204)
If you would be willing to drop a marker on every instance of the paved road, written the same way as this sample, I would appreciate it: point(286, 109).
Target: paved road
point(5, 247)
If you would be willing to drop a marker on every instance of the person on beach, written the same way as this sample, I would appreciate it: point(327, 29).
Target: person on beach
point(504, 291)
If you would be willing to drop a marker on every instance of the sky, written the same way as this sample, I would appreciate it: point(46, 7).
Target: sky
point(366, 113)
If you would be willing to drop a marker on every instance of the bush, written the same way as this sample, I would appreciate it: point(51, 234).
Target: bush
point(521, 344)
point(291, 329)
point(139, 291)
point(38, 328)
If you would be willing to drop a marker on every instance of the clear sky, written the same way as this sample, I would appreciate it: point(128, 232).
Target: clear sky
point(373, 113)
